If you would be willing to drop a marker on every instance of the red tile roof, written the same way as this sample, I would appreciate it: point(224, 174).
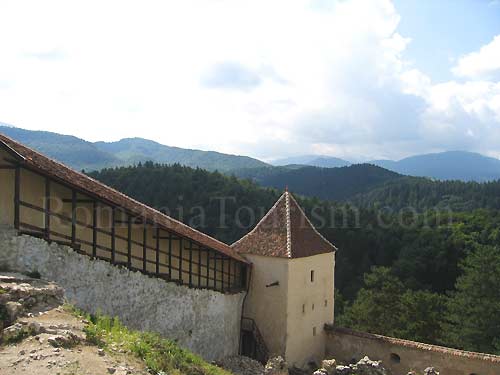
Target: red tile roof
point(48, 167)
point(285, 232)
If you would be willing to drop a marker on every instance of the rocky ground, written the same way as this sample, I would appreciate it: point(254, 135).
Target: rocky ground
point(41, 337)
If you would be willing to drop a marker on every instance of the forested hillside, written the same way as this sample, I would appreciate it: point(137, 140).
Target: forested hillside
point(133, 150)
point(423, 193)
point(187, 194)
point(80, 154)
point(325, 183)
point(431, 276)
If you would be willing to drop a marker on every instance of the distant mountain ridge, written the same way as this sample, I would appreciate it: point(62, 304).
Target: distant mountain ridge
point(70, 150)
point(313, 161)
point(448, 165)
point(80, 154)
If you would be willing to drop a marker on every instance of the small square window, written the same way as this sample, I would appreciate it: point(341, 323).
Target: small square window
point(312, 276)
point(314, 331)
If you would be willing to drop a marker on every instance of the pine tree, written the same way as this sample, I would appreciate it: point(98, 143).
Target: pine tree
point(474, 309)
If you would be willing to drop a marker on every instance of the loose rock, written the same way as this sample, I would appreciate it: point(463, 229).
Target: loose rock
point(329, 365)
point(276, 366)
point(241, 365)
point(431, 371)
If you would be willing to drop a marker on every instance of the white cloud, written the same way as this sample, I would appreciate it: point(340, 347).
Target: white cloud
point(483, 64)
point(261, 78)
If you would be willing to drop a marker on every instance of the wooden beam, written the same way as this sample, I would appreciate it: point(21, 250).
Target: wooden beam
point(78, 200)
point(158, 251)
point(208, 268)
point(134, 221)
point(170, 254)
point(190, 264)
point(181, 245)
point(199, 267)
point(215, 272)
point(144, 248)
point(94, 229)
point(129, 241)
point(8, 167)
point(113, 233)
point(243, 276)
point(17, 195)
point(168, 237)
point(222, 275)
point(73, 216)
point(219, 257)
point(47, 207)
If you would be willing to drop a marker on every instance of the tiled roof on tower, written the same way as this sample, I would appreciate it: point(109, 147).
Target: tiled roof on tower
point(285, 232)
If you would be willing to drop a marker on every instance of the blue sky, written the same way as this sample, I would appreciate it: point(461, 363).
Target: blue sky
point(356, 79)
point(443, 30)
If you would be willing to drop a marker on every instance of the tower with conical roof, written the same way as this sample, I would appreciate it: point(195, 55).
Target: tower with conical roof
point(291, 292)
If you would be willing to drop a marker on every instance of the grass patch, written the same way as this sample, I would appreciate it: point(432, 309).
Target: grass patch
point(18, 337)
point(160, 355)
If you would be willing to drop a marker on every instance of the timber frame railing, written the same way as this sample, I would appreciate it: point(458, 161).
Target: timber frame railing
point(219, 273)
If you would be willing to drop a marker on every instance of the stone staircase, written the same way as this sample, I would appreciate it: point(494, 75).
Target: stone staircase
point(252, 342)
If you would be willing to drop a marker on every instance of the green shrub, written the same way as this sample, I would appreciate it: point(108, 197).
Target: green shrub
point(160, 355)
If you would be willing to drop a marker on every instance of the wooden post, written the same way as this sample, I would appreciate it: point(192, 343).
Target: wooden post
point(181, 245)
point(190, 263)
point(157, 251)
point(129, 242)
point(215, 271)
point(208, 268)
point(199, 267)
point(144, 247)
point(17, 195)
point(169, 255)
point(222, 275)
point(243, 276)
point(47, 208)
point(113, 238)
point(94, 229)
point(73, 218)
point(229, 273)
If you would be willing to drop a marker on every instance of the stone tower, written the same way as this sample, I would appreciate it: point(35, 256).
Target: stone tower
point(291, 292)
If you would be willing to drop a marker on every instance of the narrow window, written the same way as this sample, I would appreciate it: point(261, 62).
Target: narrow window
point(314, 331)
point(313, 306)
point(312, 276)
point(326, 303)
point(395, 358)
point(303, 309)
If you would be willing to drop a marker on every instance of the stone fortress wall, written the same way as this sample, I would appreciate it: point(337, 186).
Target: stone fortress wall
point(204, 321)
point(401, 356)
